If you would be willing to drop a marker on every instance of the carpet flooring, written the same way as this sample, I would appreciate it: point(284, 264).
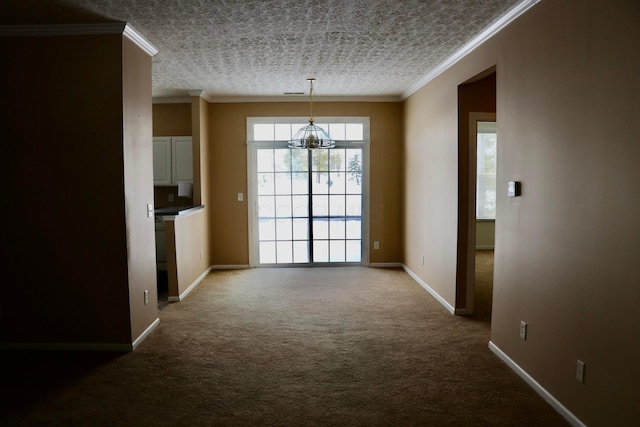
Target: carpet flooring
point(347, 346)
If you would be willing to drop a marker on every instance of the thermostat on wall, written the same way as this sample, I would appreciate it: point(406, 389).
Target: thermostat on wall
point(513, 189)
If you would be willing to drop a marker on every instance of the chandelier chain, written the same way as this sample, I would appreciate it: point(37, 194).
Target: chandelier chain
point(311, 100)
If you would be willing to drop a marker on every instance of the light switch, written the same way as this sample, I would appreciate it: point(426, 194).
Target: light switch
point(513, 189)
point(240, 197)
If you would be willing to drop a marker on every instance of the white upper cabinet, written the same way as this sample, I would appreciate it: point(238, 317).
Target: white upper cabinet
point(172, 160)
point(162, 161)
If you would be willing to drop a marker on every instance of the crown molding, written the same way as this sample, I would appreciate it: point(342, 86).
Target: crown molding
point(300, 98)
point(282, 98)
point(174, 100)
point(100, 28)
point(485, 35)
point(201, 94)
point(144, 44)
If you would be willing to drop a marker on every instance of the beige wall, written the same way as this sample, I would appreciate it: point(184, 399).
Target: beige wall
point(566, 250)
point(138, 173)
point(187, 263)
point(74, 209)
point(228, 168)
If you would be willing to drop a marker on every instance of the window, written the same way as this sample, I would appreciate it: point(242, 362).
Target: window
point(486, 171)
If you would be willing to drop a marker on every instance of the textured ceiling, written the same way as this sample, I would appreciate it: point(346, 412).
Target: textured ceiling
point(253, 48)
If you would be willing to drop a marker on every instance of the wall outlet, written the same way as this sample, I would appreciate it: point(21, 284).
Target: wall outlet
point(146, 297)
point(240, 197)
point(376, 245)
point(580, 371)
point(523, 330)
point(149, 210)
point(171, 197)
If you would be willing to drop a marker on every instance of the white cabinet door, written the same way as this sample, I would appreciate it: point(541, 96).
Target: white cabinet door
point(162, 161)
point(182, 159)
point(172, 160)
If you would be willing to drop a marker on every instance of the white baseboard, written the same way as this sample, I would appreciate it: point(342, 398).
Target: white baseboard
point(385, 265)
point(56, 346)
point(145, 334)
point(191, 286)
point(428, 288)
point(573, 420)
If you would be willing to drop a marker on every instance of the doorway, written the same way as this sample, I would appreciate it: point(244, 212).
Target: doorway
point(476, 104)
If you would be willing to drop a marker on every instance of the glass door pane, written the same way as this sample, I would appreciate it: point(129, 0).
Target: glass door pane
point(336, 176)
point(283, 200)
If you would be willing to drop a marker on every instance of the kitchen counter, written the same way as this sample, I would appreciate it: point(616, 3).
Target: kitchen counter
point(163, 214)
point(169, 215)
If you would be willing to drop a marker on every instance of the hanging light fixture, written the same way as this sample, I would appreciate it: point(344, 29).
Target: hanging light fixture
point(311, 136)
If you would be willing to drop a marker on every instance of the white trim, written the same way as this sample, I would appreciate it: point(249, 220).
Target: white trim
point(144, 44)
point(385, 265)
point(230, 267)
point(573, 420)
point(200, 93)
point(62, 29)
point(145, 334)
point(428, 288)
point(123, 28)
point(191, 287)
point(485, 35)
point(82, 346)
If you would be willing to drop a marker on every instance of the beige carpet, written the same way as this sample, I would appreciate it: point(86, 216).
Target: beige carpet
point(315, 346)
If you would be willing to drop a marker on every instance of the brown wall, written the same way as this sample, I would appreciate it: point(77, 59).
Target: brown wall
point(67, 273)
point(228, 168)
point(172, 120)
point(566, 250)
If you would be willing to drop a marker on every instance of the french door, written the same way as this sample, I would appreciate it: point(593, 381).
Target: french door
point(308, 205)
